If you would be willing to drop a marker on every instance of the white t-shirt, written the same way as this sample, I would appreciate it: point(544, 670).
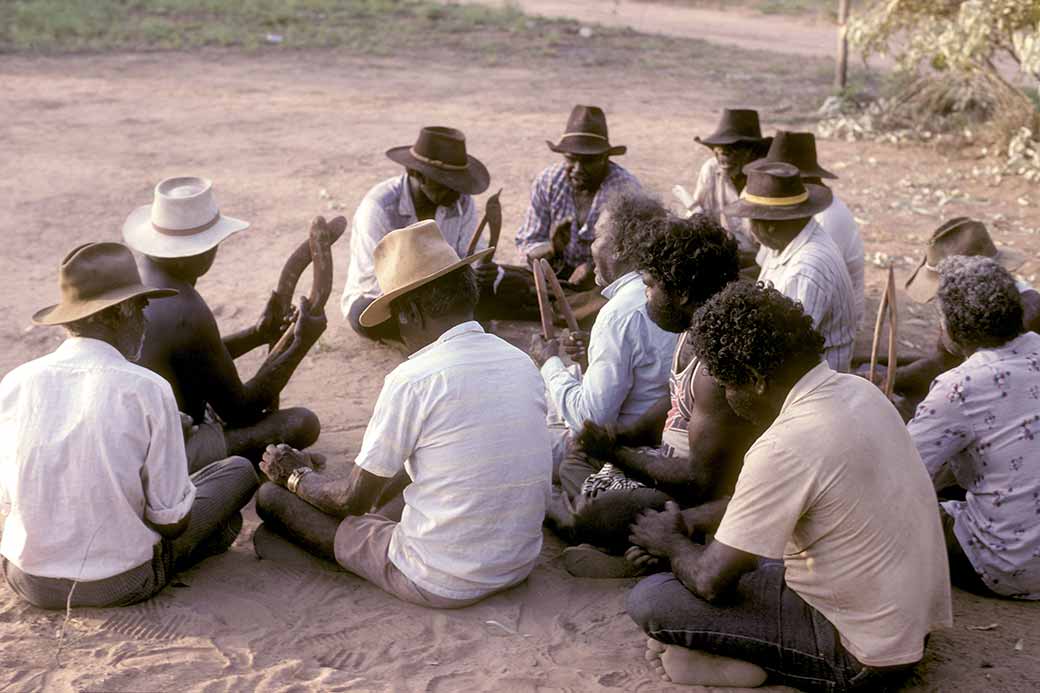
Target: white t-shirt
point(90, 446)
point(836, 488)
point(465, 417)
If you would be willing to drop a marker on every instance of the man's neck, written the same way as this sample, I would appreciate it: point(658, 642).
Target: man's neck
point(424, 206)
point(434, 329)
point(156, 274)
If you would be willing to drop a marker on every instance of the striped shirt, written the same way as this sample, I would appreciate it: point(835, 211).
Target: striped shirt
point(811, 270)
point(552, 201)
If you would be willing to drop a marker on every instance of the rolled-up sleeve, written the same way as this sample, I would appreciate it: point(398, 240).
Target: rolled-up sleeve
point(393, 430)
point(168, 490)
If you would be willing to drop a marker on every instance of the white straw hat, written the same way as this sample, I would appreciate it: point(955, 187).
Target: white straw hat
point(183, 220)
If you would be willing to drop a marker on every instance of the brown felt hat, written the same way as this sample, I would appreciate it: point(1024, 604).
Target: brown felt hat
point(736, 126)
point(775, 191)
point(586, 134)
point(799, 150)
point(440, 153)
point(93, 277)
point(958, 236)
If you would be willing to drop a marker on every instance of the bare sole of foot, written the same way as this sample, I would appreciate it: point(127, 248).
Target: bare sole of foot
point(694, 668)
point(270, 546)
point(589, 562)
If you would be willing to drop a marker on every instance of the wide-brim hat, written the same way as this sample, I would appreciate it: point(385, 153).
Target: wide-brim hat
point(93, 277)
point(775, 191)
point(408, 258)
point(736, 126)
point(440, 153)
point(183, 220)
point(799, 150)
point(958, 236)
point(586, 134)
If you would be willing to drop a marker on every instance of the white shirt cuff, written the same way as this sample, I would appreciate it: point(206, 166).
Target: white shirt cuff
point(553, 366)
point(171, 516)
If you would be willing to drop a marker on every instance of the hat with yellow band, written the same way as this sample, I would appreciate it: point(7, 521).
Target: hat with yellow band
point(775, 191)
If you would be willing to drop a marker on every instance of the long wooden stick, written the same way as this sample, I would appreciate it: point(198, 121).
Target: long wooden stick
point(561, 298)
point(544, 309)
point(893, 330)
point(492, 216)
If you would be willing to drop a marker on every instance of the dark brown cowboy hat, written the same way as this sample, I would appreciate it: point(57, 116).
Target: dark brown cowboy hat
point(797, 149)
point(440, 153)
point(775, 191)
point(958, 236)
point(93, 277)
point(737, 126)
point(586, 134)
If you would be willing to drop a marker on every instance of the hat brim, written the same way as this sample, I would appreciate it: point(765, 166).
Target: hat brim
point(818, 172)
point(820, 198)
point(721, 140)
point(923, 284)
point(378, 311)
point(472, 180)
point(140, 235)
point(62, 313)
point(587, 149)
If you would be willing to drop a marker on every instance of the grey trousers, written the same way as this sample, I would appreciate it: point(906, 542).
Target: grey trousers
point(222, 489)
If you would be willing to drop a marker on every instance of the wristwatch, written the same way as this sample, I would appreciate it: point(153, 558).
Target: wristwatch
point(293, 482)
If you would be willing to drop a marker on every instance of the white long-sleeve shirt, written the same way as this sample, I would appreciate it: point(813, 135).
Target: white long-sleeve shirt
point(90, 447)
point(629, 362)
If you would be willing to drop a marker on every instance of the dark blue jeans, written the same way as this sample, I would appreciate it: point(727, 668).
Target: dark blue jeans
point(765, 623)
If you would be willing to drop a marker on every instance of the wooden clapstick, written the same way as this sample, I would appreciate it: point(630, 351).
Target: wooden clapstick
point(544, 309)
point(492, 216)
point(887, 308)
point(561, 299)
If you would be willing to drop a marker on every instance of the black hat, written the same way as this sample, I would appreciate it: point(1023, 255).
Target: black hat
point(586, 134)
point(775, 191)
point(737, 125)
point(440, 153)
point(797, 149)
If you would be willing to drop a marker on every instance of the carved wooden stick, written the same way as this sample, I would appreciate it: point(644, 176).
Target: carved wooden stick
point(561, 298)
point(544, 309)
point(893, 331)
point(492, 216)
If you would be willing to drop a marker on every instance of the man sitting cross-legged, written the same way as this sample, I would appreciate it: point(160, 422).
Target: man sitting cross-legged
point(177, 236)
point(979, 429)
point(463, 420)
point(834, 487)
point(93, 479)
point(626, 365)
point(698, 441)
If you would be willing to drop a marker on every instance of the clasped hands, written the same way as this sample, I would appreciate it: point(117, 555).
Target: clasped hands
point(654, 534)
point(279, 462)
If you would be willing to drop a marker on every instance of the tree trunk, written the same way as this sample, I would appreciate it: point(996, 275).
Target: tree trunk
point(841, 68)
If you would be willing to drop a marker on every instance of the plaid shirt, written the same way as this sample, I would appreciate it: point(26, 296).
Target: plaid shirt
point(552, 201)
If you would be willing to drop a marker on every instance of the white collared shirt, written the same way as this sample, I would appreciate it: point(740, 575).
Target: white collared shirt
point(713, 193)
point(981, 421)
point(629, 362)
point(811, 270)
point(388, 207)
point(836, 488)
point(465, 417)
point(841, 226)
point(90, 446)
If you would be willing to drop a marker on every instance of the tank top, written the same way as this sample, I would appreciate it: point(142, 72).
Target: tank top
point(675, 438)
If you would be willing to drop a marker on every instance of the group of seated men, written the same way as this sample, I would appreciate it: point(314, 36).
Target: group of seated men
point(707, 432)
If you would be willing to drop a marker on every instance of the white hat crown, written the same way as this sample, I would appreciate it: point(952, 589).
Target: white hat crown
point(184, 205)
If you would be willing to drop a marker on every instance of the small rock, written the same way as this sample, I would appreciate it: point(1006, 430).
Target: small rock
point(585, 32)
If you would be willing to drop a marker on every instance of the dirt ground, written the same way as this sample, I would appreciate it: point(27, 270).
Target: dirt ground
point(85, 138)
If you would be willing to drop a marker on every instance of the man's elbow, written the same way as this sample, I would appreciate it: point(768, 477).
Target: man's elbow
point(172, 531)
point(709, 587)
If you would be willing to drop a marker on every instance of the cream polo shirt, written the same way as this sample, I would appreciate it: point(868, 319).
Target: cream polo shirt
point(465, 417)
point(835, 488)
point(90, 446)
point(714, 191)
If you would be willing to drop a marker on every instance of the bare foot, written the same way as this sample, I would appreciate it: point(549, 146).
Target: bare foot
point(694, 668)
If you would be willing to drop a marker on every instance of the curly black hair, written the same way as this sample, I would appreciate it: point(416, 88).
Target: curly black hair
point(979, 299)
point(692, 257)
point(456, 290)
point(750, 331)
point(633, 214)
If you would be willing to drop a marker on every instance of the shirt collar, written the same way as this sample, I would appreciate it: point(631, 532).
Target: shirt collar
point(612, 289)
point(796, 243)
point(460, 329)
point(88, 345)
point(406, 206)
point(815, 377)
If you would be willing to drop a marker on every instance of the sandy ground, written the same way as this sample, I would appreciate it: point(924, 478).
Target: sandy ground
point(85, 139)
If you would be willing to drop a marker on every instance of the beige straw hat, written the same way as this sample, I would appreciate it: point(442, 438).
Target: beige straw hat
point(183, 220)
point(408, 258)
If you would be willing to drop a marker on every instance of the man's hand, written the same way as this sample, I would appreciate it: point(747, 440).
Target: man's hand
point(275, 319)
point(583, 276)
point(639, 558)
point(280, 460)
point(576, 346)
point(309, 326)
point(560, 237)
point(658, 532)
point(487, 273)
point(539, 252)
point(543, 349)
point(598, 442)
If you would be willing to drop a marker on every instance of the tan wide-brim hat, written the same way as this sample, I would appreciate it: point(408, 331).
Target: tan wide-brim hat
point(958, 236)
point(183, 220)
point(93, 277)
point(408, 258)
